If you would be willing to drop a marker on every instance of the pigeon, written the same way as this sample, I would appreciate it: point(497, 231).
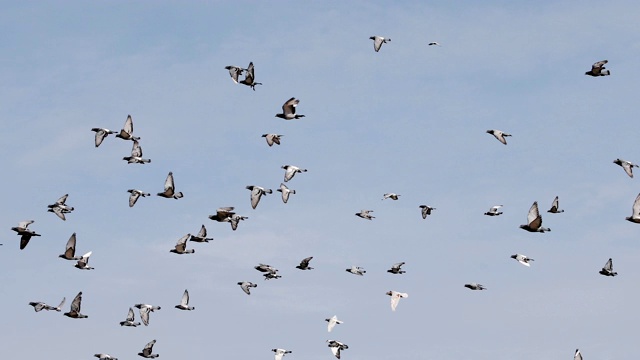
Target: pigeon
point(145, 309)
point(392, 196)
point(59, 212)
point(285, 192)
point(426, 210)
point(434, 43)
point(234, 220)
point(395, 298)
point(336, 347)
point(70, 249)
point(234, 71)
point(201, 237)
point(289, 110)
point(105, 357)
point(626, 165)
point(365, 214)
point(184, 302)
point(222, 214)
point(127, 132)
point(635, 214)
point(130, 320)
point(136, 155)
point(181, 246)
point(272, 138)
point(249, 77)
point(607, 270)
point(147, 351)
point(499, 135)
point(280, 353)
point(256, 194)
point(304, 264)
point(60, 208)
point(290, 171)
point(598, 69)
point(170, 188)
point(74, 312)
point(83, 262)
point(475, 286)
point(25, 234)
point(494, 211)
point(101, 133)
point(577, 355)
point(269, 276)
point(522, 259)
point(332, 322)
point(395, 269)
point(356, 270)
point(245, 285)
point(39, 306)
point(135, 194)
point(555, 207)
point(266, 268)
point(378, 41)
point(534, 220)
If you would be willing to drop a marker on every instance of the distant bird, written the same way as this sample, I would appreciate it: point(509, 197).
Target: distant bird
point(130, 320)
point(392, 196)
point(395, 269)
point(135, 194)
point(60, 208)
point(184, 302)
point(434, 43)
point(332, 322)
point(181, 246)
point(626, 165)
point(279, 353)
point(105, 357)
point(249, 77)
point(499, 135)
point(336, 347)
point(269, 276)
point(127, 131)
point(147, 352)
point(577, 355)
point(256, 194)
point(145, 309)
point(235, 72)
point(522, 259)
point(534, 220)
point(202, 236)
point(356, 270)
point(426, 210)
point(289, 110)
point(222, 214)
point(304, 264)
point(234, 220)
point(290, 171)
point(285, 192)
point(83, 262)
point(475, 286)
point(170, 188)
point(39, 306)
point(365, 214)
point(266, 268)
point(25, 234)
point(598, 69)
point(70, 249)
point(635, 214)
point(101, 133)
point(555, 207)
point(607, 270)
point(378, 41)
point(74, 312)
point(395, 298)
point(272, 139)
point(494, 211)
point(246, 285)
point(136, 155)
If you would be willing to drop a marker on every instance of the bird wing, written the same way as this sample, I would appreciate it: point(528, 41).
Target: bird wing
point(628, 168)
point(133, 198)
point(61, 303)
point(578, 355)
point(395, 298)
point(25, 224)
point(62, 199)
point(144, 316)
point(289, 172)
point(289, 107)
point(24, 240)
point(75, 304)
point(148, 349)
point(131, 316)
point(249, 74)
point(70, 248)
point(169, 184)
point(278, 354)
point(256, 193)
point(608, 266)
point(58, 211)
point(398, 265)
point(533, 214)
point(128, 125)
point(332, 322)
point(598, 65)
point(181, 245)
point(636, 207)
point(245, 288)
point(100, 135)
point(555, 204)
point(185, 298)
point(305, 261)
point(203, 232)
point(136, 150)
point(377, 43)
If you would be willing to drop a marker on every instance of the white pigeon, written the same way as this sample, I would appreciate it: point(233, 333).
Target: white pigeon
point(39, 306)
point(279, 353)
point(426, 210)
point(105, 357)
point(289, 110)
point(256, 194)
point(136, 155)
point(626, 165)
point(74, 312)
point(70, 249)
point(285, 192)
point(494, 211)
point(181, 246)
point(147, 352)
point(395, 269)
point(272, 139)
point(392, 196)
point(130, 320)
point(522, 259)
point(365, 214)
point(332, 322)
point(135, 194)
point(356, 270)
point(395, 298)
point(170, 188)
point(635, 211)
point(534, 220)
point(202, 236)
point(290, 171)
point(101, 133)
point(246, 285)
point(499, 135)
point(607, 270)
point(249, 77)
point(234, 72)
point(145, 309)
point(555, 207)
point(184, 302)
point(83, 263)
point(336, 347)
point(378, 41)
point(127, 131)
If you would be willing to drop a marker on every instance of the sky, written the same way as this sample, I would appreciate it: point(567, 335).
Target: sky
point(410, 119)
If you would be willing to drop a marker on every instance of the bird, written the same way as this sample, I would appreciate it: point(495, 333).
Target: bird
point(336, 347)
point(607, 270)
point(426, 210)
point(304, 264)
point(378, 41)
point(74, 312)
point(434, 43)
point(494, 211)
point(290, 171)
point(265, 268)
point(101, 133)
point(577, 355)
point(598, 69)
point(60, 208)
point(272, 139)
point(246, 285)
point(626, 165)
point(184, 302)
point(635, 214)
point(136, 155)
point(522, 259)
point(25, 234)
point(395, 269)
point(332, 322)
point(70, 249)
point(269, 276)
point(127, 131)
point(147, 352)
point(249, 77)
point(392, 196)
point(499, 135)
point(222, 214)
point(145, 309)
point(105, 357)
point(130, 320)
point(170, 188)
point(181, 246)
point(365, 214)
point(234, 72)
point(83, 262)
point(289, 110)
point(201, 237)
point(285, 192)
point(59, 212)
point(256, 194)
point(555, 207)
point(475, 286)
point(279, 353)
point(234, 220)
point(534, 220)
point(39, 306)
point(395, 298)
point(135, 194)
point(356, 270)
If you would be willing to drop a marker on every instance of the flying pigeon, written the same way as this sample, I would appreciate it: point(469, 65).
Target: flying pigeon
point(269, 276)
point(336, 347)
point(304, 264)
point(266, 268)
point(522, 259)
point(626, 165)
point(147, 351)
point(289, 110)
point(181, 246)
point(577, 355)
point(245, 285)
point(184, 302)
point(170, 188)
point(136, 155)
point(39, 306)
point(555, 207)
point(130, 320)
point(392, 196)
point(494, 211)
point(272, 138)
point(105, 357)
point(635, 214)
point(249, 77)
point(234, 71)
point(145, 309)
point(70, 249)
point(25, 234)
point(475, 286)
point(356, 270)
point(607, 270)
point(332, 322)
point(285, 192)
point(127, 132)
point(83, 262)
point(426, 210)
point(234, 220)
point(499, 135)
point(434, 43)
point(395, 298)
point(60, 208)
point(135, 194)
point(598, 69)
point(74, 312)
point(202, 236)
point(378, 41)
point(290, 171)
point(365, 214)
point(256, 194)
point(534, 220)
point(395, 269)
point(280, 353)
point(101, 133)
point(222, 214)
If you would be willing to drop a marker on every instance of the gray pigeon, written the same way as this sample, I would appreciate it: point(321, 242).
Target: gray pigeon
point(135, 194)
point(202, 236)
point(577, 355)
point(522, 259)
point(534, 220)
point(234, 72)
point(170, 188)
point(83, 262)
point(626, 165)
point(25, 234)
point(272, 139)
point(378, 41)
point(336, 347)
point(127, 131)
point(70, 249)
point(356, 270)
point(39, 306)
point(101, 133)
point(285, 192)
point(145, 309)
point(607, 270)
point(426, 210)
point(365, 214)
point(249, 77)
point(130, 320)
point(598, 69)
point(475, 286)
point(333, 321)
point(280, 353)
point(555, 207)
point(635, 214)
point(290, 171)
point(105, 357)
point(184, 302)
point(222, 214)
point(304, 264)
point(256, 194)
point(499, 135)
point(234, 220)
point(289, 110)
point(392, 196)
point(494, 211)
point(181, 246)
point(246, 285)
point(60, 208)
point(395, 269)
point(136, 155)
point(74, 312)
point(147, 352)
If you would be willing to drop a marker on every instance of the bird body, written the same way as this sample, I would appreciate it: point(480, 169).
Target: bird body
point(522, 259)
point(285, 191)
point(494, 211)
point(256, 194)
point(426, 210)
point(378, 41)
point(607, 270)
point(202, 236)
point(475, 286)
point(626, 165)
point(365, 214)
point(222, 214)
point(290, 171)
point(356, 270)
point(249, 77)
point(333, 321)
point(136, 155)
point(246, 286)
point(555, 207)
point(60, 207)
point(289, 110)
point(272, 139)
point(74, 312)
point(304, 264)
point(395, 269)
point(39, 306)
point(184, 302)
point(127, 131)
point(135, 194)
point(499, 135)
point(392, 196)
point(147, 352)
point(24, 232)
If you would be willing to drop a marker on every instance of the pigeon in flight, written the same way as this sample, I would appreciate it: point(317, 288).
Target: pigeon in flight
point(74, 312)
point(135, 194)
point(101, 133)
point(365, 214)
point(279, 353)
point(105, 357)
point(555, 207)
point(395, 298)
point(202, 236)
point(272, 139)
point(249, 77)
point(170, 188)
point(534, 220)
point(290, 171)
point(356, 270)
point(127, 131)
point(598, 69)
point(130, 320)
point(39, 306)
point(378, 41)
point(70, 249)
point(285, 192)
point(184, 302)
point(626, 165)
point(83, 262)
point(25, 234)
point(256, 194)
point(181, 246)
point(304, 264)
point(426, 210)
point(395, 269)
point(499, 135)
point(289, 110)
point(145, 309)
point(60, 208)
point(392, 196)
point(475, 286)
point(222, 214)
point(266, 268)
point(234, 220)
point(147, 352)
point(522, 259)
point(577, 355)
point(234, 72)
point(332, 322)
point(434, 43)
point(635, 215)
point(336, 347)
point(136, 155)
point(607, 270)
point(246, 285)
point(494, 211)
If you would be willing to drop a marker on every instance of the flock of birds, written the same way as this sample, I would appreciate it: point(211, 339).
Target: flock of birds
point(227, 214)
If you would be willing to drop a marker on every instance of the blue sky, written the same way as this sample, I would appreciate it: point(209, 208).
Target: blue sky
point(410, 119)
